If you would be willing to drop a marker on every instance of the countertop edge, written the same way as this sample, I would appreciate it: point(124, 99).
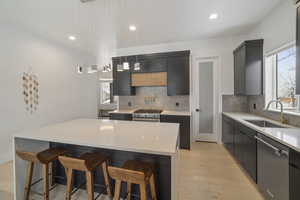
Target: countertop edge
point(165, 112)
point(100, 146)
point(228, 114)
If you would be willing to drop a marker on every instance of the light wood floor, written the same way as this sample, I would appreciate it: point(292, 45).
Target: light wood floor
point(207, 172)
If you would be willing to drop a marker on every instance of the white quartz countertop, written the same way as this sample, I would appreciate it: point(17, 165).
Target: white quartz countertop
point(165, 112)
point(143, 137)
point(289, 136)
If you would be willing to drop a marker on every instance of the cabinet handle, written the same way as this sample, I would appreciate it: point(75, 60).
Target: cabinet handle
point(278, 152)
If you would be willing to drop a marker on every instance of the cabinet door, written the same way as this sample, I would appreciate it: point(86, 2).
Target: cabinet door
point(152, 65)
point(294, 175)
point(298, 53)
point(248, 148)
point(184, 122)
point(121, 116)
point(239, 71)
point(238, 140)
point(228, 134)
point(178, 76)
point(122, 81)
point(294, 183)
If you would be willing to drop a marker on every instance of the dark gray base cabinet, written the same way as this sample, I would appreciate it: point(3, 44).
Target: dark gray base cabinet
point(241, 143)
point(228, 134)
point(184, 121)
point(245, 149)
point(294, 175)
point(120, 116)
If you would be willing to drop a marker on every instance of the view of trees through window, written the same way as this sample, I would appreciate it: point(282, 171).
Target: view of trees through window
point(105, 94)
point(286, 77)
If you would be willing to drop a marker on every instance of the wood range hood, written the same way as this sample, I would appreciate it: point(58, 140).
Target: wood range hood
point(149, 79)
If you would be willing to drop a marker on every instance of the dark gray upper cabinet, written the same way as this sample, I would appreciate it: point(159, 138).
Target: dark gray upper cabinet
point(248, 68)
point(176, 64)
point(298, 53)
point(121, 81)
point(152, 65)
point(179, 75)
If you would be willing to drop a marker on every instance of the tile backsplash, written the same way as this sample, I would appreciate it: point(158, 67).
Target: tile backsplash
point(154, 98)
point(255, 105)
point(231, 103)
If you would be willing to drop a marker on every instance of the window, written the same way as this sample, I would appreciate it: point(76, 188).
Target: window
point(106, 96)
point(281, 78)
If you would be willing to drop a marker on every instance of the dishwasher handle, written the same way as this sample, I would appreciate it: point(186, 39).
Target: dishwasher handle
point(278, 152)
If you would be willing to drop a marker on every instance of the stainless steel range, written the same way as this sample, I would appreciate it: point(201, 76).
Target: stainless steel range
point(147, 115)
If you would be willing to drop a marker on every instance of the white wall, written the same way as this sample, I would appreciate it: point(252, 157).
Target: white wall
point(278, 27)
point(64, 94)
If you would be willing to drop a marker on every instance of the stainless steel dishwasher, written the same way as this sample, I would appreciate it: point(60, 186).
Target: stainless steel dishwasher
point(272, 168)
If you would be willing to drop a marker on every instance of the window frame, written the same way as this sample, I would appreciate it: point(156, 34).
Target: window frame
point(109, 81)
point(274, 79)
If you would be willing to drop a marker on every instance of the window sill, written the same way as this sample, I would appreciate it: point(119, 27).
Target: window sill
point(286, 112)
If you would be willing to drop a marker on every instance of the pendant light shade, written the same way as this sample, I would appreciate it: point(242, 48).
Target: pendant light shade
point(126, 65)
point(137, 65)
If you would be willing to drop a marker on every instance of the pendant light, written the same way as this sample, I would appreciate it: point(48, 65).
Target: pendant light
point(126, 64)
point(120, 66)
point(137, 65)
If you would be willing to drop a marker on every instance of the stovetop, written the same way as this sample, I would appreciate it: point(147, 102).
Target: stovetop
point(148, 111)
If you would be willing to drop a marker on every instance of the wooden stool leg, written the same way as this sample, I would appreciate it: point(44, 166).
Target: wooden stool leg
point(128, 190)
point(117, 190)
point(152, 187)
point(90, 185)
point(143, 191)
point(46, 181)
point(28, 180)
point(69, 174)
point(106, 179)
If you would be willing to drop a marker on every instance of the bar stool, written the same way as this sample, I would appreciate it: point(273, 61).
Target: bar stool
point(134, 172)
point(87, 162)
point(45, 158)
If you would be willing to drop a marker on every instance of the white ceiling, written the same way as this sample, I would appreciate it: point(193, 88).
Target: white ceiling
point(157, 21)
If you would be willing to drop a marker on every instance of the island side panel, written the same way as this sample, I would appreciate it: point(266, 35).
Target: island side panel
point(21, 166)
point(162, 163)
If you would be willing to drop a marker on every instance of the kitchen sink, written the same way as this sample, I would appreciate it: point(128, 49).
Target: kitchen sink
point(265, 124)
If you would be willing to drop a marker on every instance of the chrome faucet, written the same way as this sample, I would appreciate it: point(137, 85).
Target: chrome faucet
point(281, 110)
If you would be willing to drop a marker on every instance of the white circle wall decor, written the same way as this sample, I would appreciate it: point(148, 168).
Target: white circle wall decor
point(30, 92)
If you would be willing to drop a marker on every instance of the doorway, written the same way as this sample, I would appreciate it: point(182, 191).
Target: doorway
point(206, 102)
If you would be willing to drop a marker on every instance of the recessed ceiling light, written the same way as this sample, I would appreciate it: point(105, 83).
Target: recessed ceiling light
point(72, 37)
point(132, 28)
point(213, 16)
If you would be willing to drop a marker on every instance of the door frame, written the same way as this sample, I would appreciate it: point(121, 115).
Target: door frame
point(195, 98)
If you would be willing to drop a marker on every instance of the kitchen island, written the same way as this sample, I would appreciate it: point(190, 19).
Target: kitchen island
point(156, 143)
